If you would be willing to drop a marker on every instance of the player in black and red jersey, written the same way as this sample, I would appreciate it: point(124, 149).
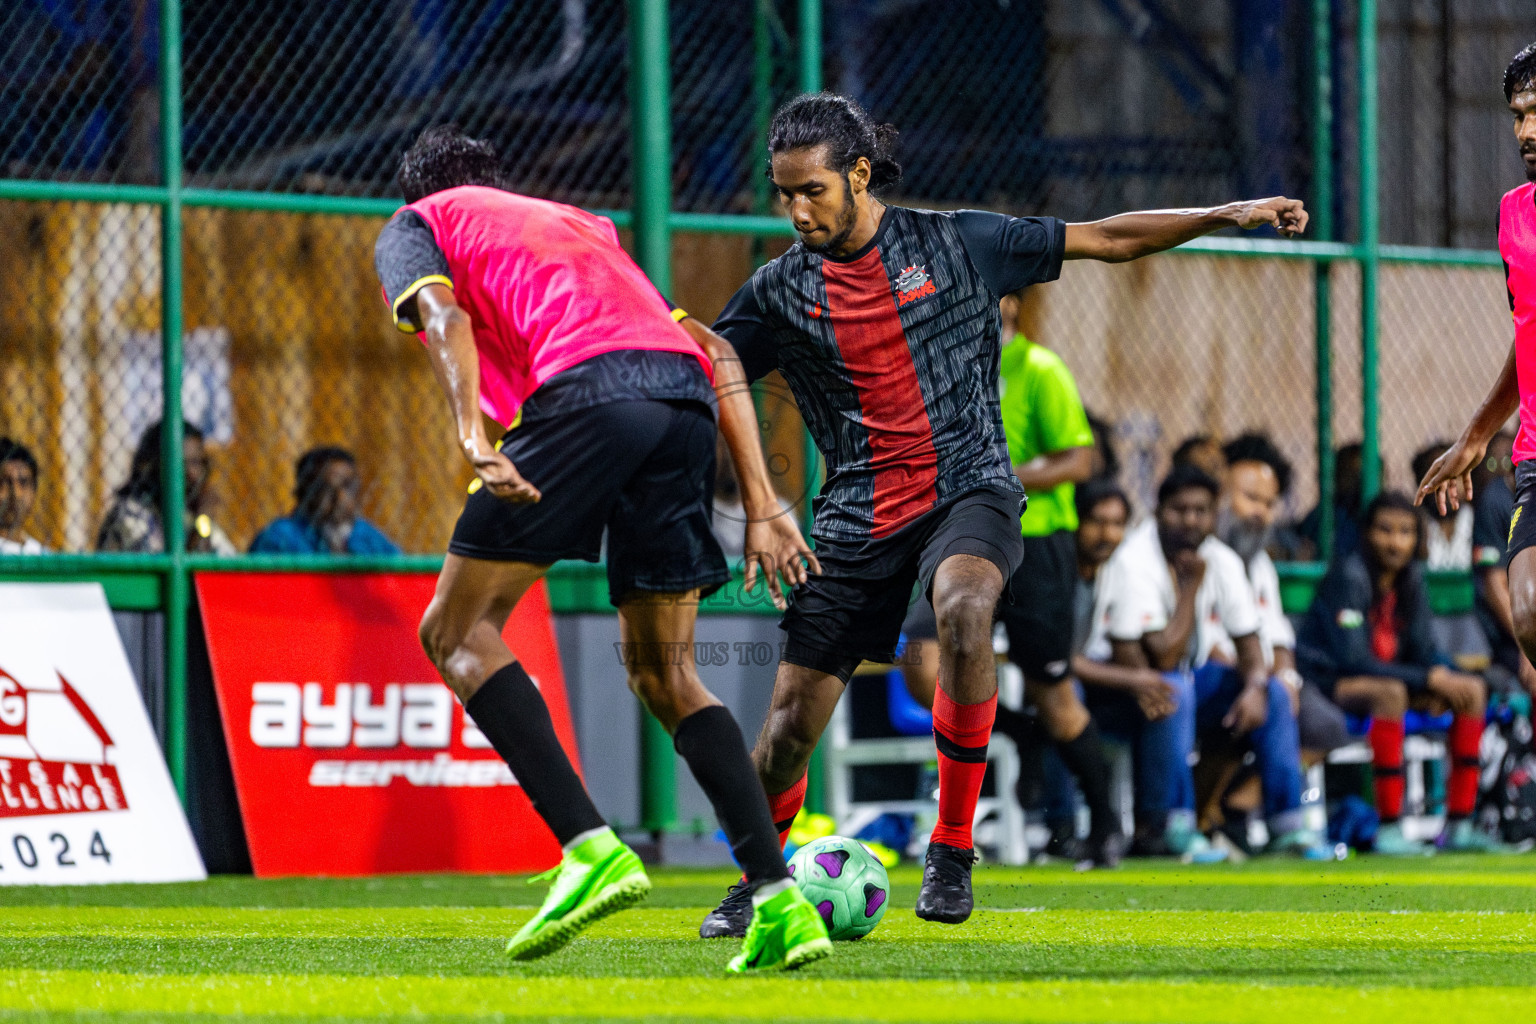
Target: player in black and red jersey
point(885, 323)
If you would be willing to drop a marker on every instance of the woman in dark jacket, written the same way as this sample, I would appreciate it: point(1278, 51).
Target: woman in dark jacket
point(1366, 641)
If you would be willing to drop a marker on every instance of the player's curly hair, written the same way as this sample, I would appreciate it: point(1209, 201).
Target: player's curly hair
point(444, 157)
point(1256, 447)
point(845, 128)
point(1521, 73)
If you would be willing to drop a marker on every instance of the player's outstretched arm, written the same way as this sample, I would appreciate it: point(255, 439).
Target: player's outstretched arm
point(451, 347)
point(774, 543)
point(1450, 478)
point(1130, 236)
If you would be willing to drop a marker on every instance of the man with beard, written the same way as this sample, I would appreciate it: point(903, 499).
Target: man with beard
point(1258, 478)
point(1170, 596)
point(324, 520)
point(884, 321)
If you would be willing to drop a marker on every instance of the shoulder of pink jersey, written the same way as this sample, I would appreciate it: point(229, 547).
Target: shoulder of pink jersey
point(1520, 195)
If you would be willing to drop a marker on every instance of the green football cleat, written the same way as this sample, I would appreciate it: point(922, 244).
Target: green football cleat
point(600, 877)
point(786, 933)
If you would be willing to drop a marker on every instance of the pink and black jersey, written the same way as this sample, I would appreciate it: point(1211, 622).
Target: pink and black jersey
point(551, 294)
point(892, 354)
point(1517, 244)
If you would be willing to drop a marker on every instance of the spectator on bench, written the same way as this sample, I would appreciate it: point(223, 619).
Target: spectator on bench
point(133, 521)
point(1258, 477)
point(1367, 642)
point(18, 492)
point(1168, 597)
point(324, 520)
point(1134, 705)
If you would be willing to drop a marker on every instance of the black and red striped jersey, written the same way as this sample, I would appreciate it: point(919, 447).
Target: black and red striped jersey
point(892, 355)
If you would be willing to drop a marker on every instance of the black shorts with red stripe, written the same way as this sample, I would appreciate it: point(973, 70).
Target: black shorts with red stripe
point(853, 610)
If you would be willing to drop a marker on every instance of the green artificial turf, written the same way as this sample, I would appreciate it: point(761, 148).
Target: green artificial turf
point(1443, 940)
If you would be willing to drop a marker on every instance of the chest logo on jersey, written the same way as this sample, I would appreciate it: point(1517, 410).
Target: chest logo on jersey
point(913, 284)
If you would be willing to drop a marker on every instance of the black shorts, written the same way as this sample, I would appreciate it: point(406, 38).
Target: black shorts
point(853, 610)
point(644, 470)
point(1039, 621)
point(921, 623)
point(1522, 527)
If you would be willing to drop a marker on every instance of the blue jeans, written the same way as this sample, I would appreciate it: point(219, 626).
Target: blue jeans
point(1159, 750)
point(1276, 743)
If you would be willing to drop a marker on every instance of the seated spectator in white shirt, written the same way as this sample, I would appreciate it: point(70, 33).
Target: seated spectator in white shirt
point(1258, 477)
point(1168, 599)
point(18, 493)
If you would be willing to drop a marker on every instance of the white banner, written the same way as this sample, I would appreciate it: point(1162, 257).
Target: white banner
point(84, 793)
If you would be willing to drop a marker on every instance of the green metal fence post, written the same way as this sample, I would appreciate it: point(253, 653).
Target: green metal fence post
point(173, 480)
point(1370, 256)
point(810, 45)
point(1322, 222)
point(810, 81)
point(650, 75)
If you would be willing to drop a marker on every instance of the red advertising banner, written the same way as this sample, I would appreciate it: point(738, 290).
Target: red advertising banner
point(350, 756)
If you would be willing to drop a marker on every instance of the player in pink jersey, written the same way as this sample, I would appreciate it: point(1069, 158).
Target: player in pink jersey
point(532, 313)
point(1449, 480)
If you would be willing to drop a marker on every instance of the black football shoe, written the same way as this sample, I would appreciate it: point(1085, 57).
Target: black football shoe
point(946, 893)
point(730, 919)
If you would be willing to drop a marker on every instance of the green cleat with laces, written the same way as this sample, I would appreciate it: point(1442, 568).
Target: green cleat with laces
point(599, 877)
point(786, 933)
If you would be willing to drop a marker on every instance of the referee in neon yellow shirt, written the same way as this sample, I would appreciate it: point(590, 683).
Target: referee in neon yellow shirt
point(1051, 448)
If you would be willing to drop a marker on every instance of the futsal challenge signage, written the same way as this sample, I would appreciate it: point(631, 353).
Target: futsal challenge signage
point(349, 756)
point(84, 792)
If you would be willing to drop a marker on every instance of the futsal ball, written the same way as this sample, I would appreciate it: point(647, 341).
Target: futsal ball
point(845, 882)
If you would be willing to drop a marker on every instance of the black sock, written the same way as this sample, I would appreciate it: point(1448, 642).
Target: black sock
point(514, 717)
point(1084, 758)
point(1016, 725)
point(711, 743)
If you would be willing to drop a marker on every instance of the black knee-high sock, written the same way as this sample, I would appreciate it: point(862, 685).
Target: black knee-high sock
point(513, 716)
point(711, 743)
point(1084, 758)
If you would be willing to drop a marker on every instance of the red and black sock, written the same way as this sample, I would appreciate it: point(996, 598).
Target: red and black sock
point(961, 733)
point(1387, 766)
point(1461, 790)
point(784, 807)
point(512, 714)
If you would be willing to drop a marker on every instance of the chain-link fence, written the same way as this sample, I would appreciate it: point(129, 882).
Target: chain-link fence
point(1077, 110)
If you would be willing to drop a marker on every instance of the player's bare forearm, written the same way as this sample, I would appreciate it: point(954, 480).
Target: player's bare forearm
point(451, 348)
point(738, 421)
point(1070, 465)
point(1130, 236)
